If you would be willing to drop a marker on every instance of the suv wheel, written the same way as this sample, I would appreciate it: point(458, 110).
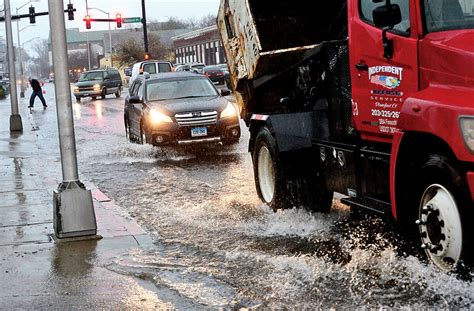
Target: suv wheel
point(119, 92)
point(104, 93)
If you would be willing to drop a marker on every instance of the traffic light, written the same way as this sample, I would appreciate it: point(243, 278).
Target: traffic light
point(32, 15)
point(88, 21)
point(119, 20)
point(147, 56)
point(70, 12)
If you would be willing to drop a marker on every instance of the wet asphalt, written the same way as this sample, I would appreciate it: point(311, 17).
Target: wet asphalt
point(217, 246)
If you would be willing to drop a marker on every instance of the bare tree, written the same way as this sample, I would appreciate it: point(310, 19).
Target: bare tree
point(177, 23)
point(77, 60)
point(40, 47)
point(208, 20)
point(172, 23)
point(131, 50)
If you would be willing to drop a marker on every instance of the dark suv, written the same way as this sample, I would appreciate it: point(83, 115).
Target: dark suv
point(179, 108)
point(98, 83)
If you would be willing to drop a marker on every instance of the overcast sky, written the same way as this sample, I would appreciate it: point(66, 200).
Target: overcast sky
point(156, 10)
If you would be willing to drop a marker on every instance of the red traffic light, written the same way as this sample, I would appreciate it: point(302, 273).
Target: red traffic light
point(147, 56)
point(119, 20)
point(88, 21)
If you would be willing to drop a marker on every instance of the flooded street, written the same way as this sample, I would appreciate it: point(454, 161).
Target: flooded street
point(217, 246)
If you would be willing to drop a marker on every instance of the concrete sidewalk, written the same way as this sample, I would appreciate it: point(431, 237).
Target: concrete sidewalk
point(36, 272)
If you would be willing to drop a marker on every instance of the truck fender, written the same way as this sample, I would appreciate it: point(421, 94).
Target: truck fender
point(256, 122)
point(436, 111)
point(292, 131)
point(408, 152)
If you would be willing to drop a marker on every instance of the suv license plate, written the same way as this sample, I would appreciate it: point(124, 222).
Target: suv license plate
point(199, 131)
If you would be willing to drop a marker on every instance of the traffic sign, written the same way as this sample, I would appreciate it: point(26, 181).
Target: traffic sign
point(129, 20)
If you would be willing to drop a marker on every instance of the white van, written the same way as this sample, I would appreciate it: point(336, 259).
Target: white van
point(150, 66)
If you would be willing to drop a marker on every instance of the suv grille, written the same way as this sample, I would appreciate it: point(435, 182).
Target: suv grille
point(86, 88)
point(196, 118)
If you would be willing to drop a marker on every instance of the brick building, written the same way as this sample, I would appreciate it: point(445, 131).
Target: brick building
point(202, 46)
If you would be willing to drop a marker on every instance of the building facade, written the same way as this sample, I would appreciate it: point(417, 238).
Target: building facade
point(201, 46)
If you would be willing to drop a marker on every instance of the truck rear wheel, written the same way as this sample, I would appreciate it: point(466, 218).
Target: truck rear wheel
point(279, 184)
point(442, 218)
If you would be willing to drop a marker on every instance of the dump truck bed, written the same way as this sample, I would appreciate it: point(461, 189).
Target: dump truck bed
point(263, 38)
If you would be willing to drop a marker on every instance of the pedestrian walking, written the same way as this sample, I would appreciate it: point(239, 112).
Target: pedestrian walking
point(37, 91)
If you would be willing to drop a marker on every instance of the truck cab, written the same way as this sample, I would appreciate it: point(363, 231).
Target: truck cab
point(370, 99)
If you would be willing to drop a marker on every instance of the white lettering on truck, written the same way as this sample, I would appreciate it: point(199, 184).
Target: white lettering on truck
point(386, 69)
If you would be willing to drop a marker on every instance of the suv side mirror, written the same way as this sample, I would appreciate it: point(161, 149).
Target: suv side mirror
point(225, 92)
point(387, 16)
point(135, 100)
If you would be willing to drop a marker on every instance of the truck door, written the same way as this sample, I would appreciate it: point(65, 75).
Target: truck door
point(380, 85)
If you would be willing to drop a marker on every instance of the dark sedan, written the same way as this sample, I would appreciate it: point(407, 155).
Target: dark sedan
point(225, 69)
point(179, 109)
point(214, 73)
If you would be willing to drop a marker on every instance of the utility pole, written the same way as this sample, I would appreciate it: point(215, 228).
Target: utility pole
point(87, 38)
point(22, 86)
point(16, 124)
point(74, 215)
point(145, 33)
point(110, 44)
point(110, 32)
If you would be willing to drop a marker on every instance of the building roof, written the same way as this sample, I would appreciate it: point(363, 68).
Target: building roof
point(73, 35)
point(195, 33)
point(76, 36)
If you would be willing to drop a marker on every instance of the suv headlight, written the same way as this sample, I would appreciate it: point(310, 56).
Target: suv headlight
point(229, 111)
point(467, 130)
point(157, 117)
point(96, 86)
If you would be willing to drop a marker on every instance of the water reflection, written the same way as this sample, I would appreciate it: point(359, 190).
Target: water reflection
point(77, 110)
point(71, 264)
point(19, 187)
point(98, 110)
point(21, 197)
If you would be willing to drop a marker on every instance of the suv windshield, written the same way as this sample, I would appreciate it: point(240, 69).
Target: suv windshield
point(180, 88)
point(89, 76)
point(442, 15)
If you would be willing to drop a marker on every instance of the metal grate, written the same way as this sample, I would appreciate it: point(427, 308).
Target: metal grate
point(197, 118)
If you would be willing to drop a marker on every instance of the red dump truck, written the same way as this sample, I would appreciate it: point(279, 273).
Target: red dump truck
point(372, 99)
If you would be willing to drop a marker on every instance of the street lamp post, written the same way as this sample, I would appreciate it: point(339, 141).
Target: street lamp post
point(22, 85)
point(110, 34)
point(74, 215)
point(145, 32)
point(20, 61)
point(16, 124)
